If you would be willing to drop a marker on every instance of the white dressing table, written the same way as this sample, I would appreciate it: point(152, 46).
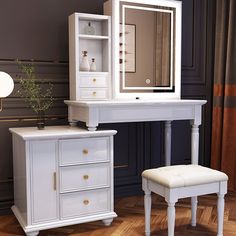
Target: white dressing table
point(94, 113)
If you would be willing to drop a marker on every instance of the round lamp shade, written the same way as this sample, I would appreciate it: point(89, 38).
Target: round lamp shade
point(6, 84)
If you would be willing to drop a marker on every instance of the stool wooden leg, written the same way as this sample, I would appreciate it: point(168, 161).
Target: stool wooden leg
point(147, 207)
point(168, 143)
point(220, 214)
point(171, 218)
point(194, 210)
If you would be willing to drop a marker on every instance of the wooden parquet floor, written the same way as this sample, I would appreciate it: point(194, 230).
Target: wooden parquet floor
point(130, 220)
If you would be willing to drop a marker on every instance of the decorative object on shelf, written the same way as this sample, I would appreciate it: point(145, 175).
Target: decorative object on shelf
point(127, 48)
point(89, 29)
point(93, 65)
point(6, 86)
point(38, 97)
point(84, 65)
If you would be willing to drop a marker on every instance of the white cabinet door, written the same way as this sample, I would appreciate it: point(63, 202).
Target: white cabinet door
point(43, 182)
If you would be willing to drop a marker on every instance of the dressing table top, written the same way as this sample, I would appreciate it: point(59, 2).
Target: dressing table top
point(94, 113)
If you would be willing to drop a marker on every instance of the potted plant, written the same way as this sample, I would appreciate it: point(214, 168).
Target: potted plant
point(37, 94)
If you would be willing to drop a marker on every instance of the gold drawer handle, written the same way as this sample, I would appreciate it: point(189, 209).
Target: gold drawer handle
point(55, 181)
point(94, 93)
point(86, 177)
point(94, 80)
point(86, 202)
point(85, 151)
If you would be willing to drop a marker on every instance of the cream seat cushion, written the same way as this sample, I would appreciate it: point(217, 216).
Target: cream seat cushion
point(183, 175)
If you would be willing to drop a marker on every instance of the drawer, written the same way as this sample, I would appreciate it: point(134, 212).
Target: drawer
point(91, 81)
point(85, 203)
point(93, 94)
point(82, 151)
point(73, 178)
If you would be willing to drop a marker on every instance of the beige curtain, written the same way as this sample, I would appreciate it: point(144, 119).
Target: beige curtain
point(224, 101)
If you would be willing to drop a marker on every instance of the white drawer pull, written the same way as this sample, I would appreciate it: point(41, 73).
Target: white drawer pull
point(85, 151)
point(86, 177)
point(86, 202)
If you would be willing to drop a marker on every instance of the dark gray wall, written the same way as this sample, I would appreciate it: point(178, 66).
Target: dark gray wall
point(32, 29)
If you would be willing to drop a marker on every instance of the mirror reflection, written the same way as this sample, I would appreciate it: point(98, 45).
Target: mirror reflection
point(146, 48)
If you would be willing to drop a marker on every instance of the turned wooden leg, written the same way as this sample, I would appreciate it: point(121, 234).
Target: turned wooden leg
point(194, 210)
point(92, 128)
point(168, 143)
point(194, 144)
point(220, 214)
point(107, 222)
point(34, 233)
point(147, 208)
point(171, 218)
point(73, 123)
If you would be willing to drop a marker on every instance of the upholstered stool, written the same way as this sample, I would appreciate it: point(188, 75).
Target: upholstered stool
point(181, 181)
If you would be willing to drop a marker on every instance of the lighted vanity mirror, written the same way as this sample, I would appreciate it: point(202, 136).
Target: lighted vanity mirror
point(147, 52)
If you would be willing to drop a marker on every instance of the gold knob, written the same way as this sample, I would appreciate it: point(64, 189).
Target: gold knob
point(94, 80)
point(86, 177)
point(85, 151)
point(94, 93)
point(86, 202)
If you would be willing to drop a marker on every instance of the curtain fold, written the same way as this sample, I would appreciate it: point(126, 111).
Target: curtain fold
point(224, 94)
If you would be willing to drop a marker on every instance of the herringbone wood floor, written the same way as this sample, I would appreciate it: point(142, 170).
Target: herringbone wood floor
point(131, 220)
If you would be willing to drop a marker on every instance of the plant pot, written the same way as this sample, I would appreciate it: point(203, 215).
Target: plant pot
point(40, 120)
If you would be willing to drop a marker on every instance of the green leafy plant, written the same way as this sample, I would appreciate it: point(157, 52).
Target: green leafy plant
point(37, 94)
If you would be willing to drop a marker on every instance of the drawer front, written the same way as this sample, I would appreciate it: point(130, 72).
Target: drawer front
point(94, 94)
point(93, 81)
point(73, 178)
point(85, 203)
point(82, 151)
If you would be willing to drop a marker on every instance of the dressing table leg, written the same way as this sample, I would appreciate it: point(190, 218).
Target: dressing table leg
point(73, 123)
point(168, 143)
point(194, 144)
point(92, 128)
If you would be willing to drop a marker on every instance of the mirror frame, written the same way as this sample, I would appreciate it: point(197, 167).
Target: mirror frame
point(116, 52)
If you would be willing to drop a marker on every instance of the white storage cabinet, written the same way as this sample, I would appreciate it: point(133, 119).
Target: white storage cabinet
point(90, 85)
point(62, 176)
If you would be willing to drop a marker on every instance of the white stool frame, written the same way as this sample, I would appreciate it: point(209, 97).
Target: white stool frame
point(172, 195)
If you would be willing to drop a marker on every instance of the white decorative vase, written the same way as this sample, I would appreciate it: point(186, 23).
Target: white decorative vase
point(93, 65)
point(84, 65)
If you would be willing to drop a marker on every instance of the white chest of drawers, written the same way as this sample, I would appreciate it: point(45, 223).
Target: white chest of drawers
point(62, 176)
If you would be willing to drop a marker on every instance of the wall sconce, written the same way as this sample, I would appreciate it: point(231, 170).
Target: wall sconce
point(6, 86)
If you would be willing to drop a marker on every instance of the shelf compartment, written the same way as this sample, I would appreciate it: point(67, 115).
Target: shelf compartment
point(98, 49)
point(100, 26)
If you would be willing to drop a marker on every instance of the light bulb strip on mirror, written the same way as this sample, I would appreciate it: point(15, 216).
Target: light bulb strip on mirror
point(124, 52)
